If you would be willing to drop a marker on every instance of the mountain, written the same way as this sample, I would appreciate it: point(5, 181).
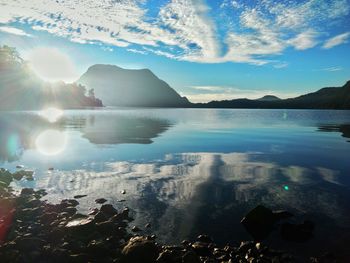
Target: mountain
point(269, 98)
point(325, 98)
point(132, 88)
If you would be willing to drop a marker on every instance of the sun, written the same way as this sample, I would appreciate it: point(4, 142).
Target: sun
point(51, 64)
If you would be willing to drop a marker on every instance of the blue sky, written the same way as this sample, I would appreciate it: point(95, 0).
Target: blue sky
point(204, 49)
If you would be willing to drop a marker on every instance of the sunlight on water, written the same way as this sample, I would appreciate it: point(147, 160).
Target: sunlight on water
point(51, 114)
point(51, 142)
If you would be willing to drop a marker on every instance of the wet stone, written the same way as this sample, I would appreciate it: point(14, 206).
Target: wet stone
point(100, 200)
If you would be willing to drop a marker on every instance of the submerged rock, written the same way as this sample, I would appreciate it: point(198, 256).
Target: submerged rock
point(259, 222)
point(297, 232)
point(140, 249)
point(100, 201)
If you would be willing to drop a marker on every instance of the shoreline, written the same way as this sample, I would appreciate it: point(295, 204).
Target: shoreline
point(33, 230)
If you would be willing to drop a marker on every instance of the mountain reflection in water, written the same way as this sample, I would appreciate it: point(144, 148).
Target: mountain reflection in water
point(189, 171)
point(20, 131)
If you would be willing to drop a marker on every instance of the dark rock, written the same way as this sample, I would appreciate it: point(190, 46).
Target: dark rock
point(140, 249)
point(100, 217)
point(51, 169)
point(79, 196)
point(105, 227)
point(259, 222)
point(79, 258)
point(69, 202)
point(204, 239)
point(23, 173)
point(27, 191)
point(201, 249)
point(190, 257)
point(135, 229)
point(297, 232)
point(281, 214)
point(108, 210)
point(100, 200)
point(5, 177)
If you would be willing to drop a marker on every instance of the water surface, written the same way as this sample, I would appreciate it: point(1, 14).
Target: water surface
point(189, 171)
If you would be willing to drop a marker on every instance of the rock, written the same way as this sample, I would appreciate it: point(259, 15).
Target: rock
point(5, 176)
point(190, 257)
point(108, 210)
point(281, 214)
point(201, 249)
point(105, 227)
point(297, 232)
point(69, 202)
point(27, 191)
point(123, 192)
point(259, 222)
point(82, 225)
point(100, 217)
point(140, 249)
point(100, 201)
point(135, 229)
point(23, 173)
point(79, 258)
point(204, 239)
point(19, 166)
point(93, 212)
point(148, 225)
point(50, 169)
point(79, 196)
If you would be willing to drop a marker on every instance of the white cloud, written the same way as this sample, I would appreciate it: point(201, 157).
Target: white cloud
point(14, 31)
point(186, 29)
point(304, 40)
point(203, 94)
point(337, 40)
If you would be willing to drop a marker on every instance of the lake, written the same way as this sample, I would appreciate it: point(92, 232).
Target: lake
point(192, 171)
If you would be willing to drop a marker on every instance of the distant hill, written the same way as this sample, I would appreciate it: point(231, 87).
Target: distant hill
point(132, 88)
point(269, 98)
point(326, 98)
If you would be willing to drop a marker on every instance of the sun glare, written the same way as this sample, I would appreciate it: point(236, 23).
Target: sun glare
point(51, 142)
point(51, 114)
point(52, 65)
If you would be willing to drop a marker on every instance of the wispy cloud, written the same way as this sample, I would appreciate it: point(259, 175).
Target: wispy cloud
point(14, 31)
point(337, 40)
point(186, 29)
point(331, 69)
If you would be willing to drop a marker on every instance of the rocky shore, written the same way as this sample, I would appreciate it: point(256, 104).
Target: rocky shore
point(33, 230)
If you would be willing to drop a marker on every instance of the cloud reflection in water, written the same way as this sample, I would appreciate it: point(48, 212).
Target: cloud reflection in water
point(188, 193)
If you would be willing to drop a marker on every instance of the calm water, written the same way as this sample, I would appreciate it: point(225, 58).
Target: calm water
point(189, 171)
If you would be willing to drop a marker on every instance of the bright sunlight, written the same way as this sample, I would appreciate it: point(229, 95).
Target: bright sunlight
point(52, 65)
point(51, 142)
point(51, 114)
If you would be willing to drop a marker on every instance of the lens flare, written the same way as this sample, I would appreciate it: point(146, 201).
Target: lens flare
point(51, 114)
point(51, 142)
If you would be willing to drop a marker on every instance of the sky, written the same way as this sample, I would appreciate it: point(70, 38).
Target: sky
point(205, 50)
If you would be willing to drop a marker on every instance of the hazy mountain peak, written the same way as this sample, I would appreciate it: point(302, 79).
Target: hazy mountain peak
point(117, 86)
